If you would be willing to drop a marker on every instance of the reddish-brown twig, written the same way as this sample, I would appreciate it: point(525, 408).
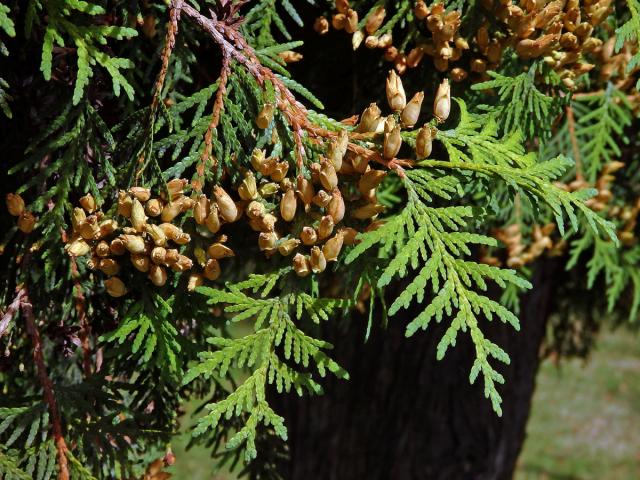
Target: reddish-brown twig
point(234, 46)
point(218, 106)
point(47, 386)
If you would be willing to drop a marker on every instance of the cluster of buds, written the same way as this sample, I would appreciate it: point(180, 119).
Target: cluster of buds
point(628, 215)
point(519, 253)
point(151, 241)
point(306, 216)
point(444, 45)
point(603, 185)
point(155, 470)
point(15, 205)
point(558, 31)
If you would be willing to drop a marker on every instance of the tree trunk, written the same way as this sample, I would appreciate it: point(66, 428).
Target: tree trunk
point(404, 415)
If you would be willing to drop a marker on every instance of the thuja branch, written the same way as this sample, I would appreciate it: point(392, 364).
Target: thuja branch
point(234, 47)
point(47, 386)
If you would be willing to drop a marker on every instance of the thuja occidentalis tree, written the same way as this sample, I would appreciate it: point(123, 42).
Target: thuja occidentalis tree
point(186, 221)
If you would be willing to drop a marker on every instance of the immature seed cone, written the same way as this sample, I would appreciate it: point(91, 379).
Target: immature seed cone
point(89, 229)
point(157, 235)
point(107, 227)
point(396, 96)
point(201, 209)
point(267, 241)
point(375, 20)
point(102, 249)
point(258, 158)
point(265, 116)
point(153, 207)
point(157, 275)
point(255, 210)
point(370, 180)
point(305, 190)
point(141, 193)
point(331, 249)
point(171, 210)
point(183, 264)
point(280, 171)
point(88, 203)
point(308, 236)
point(369, 119)
point(158, 255)
point(26, 222)
point(317, 260)
point(360, 163)
point(349, 235)
point(212, 269)
point(108, 266)
point(267, 223)
point(288, 246)
point(288, 205)
point(328, 176)
point(367, 211)
point(219, 250)
point(141, 262)
point(424, 142)
point(133, 243)
point(115, 287)
point(124, 204)
point(321, 25)
point(195, 280)
point(78, 217)
point(321, 199)
point(15, 204)
point(175, 187)
point(248, 189)
point(351, 23)
point(301, 265)
point(78, 248)
point(325, 227)
point(226, 205)
point(392, 143)
point(138, 217)
point(117, 246)
point(442, 102)
point(411, 112)
point(336, 206)
point(268, 189)
point(421, 10)
point(212, 222)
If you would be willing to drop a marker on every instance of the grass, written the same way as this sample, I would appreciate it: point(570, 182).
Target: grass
point(585, 421)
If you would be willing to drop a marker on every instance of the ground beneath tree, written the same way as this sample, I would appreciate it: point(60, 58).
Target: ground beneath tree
point(585, 423)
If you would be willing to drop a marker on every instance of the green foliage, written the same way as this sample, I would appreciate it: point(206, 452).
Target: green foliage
point(520, 105)
point(275, 353)
point(430, 238)
point(62, 21)
point(601, 119)
point(629, 32)
point(155, 338)
point(6, 25)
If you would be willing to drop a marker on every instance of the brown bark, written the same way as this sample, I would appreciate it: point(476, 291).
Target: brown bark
point(404, 415)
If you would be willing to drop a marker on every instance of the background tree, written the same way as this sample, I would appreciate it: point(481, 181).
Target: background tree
point(185, 225)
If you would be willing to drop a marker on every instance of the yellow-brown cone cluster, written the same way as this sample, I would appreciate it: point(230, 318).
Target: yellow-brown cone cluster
point(559, 31)
point(151, 242)
point(304, 217)
point(26, 220)
point(520, 253)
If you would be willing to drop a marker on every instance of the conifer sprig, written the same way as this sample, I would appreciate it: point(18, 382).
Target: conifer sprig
point(278, 352)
